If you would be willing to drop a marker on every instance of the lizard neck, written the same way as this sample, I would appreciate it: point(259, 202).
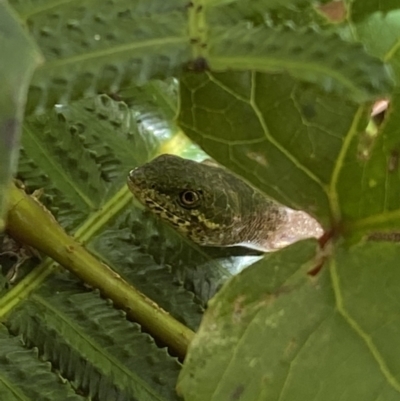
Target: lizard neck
point(273, 230)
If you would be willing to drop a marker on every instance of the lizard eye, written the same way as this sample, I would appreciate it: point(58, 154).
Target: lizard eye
point(189, 199)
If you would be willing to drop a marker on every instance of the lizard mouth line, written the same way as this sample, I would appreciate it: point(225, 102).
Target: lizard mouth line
point(133, 187)
point(156, 207)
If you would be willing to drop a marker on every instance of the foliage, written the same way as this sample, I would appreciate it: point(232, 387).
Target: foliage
point(15, 74)
point(278, 92)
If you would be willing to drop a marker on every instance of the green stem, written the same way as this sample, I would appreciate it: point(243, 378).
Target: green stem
point(29, 222)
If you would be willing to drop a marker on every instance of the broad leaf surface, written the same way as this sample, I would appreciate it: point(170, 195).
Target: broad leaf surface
point(324, 59)
point(242, 35)
point(275, 333)
point(369, 180)
point(285, 137)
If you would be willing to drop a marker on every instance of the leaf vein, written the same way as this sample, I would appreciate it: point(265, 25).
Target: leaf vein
point(111, 51)
point(333, 195)
point(43, 8)
point(305, 342)
point(275, 143)
point(359, 331)
point(60, 171)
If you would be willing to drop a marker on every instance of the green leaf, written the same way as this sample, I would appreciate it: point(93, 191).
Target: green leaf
point(273, 332)
point(83, 164)
point(285, 137)
point(243, 35)
point(102, 46)
point(86, 350)
point(379, 31)
point(369, 184)
point(327, 60)
point(261, 12)
point(41, 383)
point(364, 8)
point(154, 258)
point(259, 5)
point(100, 51)
point(15, 73)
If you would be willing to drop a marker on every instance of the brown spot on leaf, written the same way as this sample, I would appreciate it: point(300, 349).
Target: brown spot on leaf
point(335, 11)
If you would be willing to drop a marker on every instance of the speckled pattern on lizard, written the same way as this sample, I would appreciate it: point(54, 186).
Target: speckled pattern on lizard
point(214, 207)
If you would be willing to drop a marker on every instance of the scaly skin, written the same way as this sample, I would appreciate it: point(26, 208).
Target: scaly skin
point(213, 207)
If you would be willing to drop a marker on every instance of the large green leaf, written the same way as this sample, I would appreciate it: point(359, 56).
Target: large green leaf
point(369, 180)
point(285, 137)
point(242, 35)
point(319, 159)
point(275, 333)
point(94, 46)
point(335, 65)
point(108, 45)
point(379, 31)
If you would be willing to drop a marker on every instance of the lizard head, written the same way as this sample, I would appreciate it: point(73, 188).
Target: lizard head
point(200, 200)
point(214, 207)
